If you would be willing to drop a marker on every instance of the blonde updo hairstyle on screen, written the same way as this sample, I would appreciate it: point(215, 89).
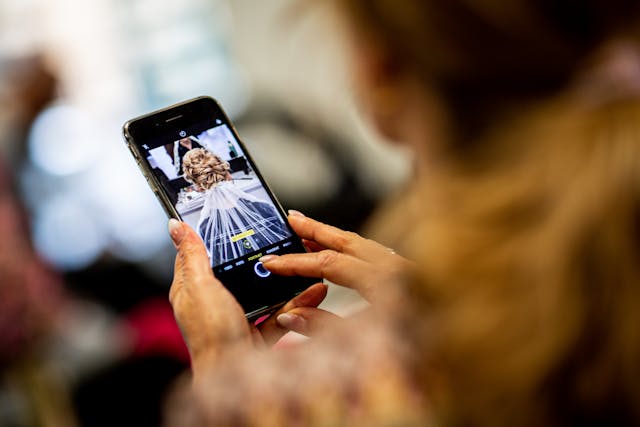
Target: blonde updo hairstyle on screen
point(204, 169)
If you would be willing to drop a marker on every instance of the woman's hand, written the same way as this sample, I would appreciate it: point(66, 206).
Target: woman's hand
point(210, 318)
point(342, 257)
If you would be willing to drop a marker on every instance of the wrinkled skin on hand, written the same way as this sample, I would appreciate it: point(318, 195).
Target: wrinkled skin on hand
point(211, 320)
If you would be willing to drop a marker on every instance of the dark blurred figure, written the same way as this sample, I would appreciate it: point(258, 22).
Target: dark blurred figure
point(28, 86)
point(72, 352)
point(31, 298)
point(31, 292)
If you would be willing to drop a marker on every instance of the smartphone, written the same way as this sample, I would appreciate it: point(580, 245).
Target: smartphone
point(202, 174)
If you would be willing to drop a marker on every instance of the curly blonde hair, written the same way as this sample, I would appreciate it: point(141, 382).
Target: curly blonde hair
point(204, 169)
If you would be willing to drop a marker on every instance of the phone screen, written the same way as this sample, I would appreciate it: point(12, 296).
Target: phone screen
point(203, 170)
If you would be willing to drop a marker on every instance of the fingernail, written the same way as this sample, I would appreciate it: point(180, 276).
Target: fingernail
point(176, 231)
point(293, 212)
point(267, 258)
point(291, 321)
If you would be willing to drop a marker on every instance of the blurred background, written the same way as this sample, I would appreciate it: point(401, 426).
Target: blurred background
point(86, 333)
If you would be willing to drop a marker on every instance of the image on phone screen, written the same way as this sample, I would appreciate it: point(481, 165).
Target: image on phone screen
point(215, 190)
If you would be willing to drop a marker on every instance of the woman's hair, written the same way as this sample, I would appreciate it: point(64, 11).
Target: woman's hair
point(486, 56)
point(529, 282)
point(203, 168)
point(527, 304)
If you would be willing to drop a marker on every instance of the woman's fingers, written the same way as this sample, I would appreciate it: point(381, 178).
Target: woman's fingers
point(208, 315)
point(312, 246)
point(257, 338)
point(307, 320)
point(192, 263)
point(341, 269)
point(319, 236)
point(311, 297)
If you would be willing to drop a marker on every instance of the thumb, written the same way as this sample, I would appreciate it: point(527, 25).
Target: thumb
point(192, 261)
point(307, 321)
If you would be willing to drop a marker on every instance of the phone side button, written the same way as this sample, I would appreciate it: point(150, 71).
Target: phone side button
point(260, 270)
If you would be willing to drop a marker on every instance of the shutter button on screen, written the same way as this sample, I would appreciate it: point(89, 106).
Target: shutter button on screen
point(260, 270)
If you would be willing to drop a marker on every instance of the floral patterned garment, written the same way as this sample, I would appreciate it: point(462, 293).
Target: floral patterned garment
point(352, 376)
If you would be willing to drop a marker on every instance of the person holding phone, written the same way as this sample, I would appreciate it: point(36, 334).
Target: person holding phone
point(522, 301)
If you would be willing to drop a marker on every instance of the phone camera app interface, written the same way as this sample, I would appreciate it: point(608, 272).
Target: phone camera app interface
point(215, 191)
